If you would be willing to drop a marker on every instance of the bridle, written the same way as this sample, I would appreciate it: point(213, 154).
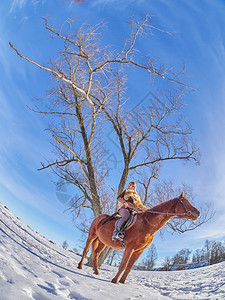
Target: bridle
point(187, 212)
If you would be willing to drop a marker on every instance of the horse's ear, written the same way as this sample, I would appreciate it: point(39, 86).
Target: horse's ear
point(182, 195)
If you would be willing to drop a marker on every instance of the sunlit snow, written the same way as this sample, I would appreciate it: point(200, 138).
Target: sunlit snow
point(31, 267)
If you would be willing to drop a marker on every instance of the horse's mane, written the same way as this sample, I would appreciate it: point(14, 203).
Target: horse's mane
point(162, 206)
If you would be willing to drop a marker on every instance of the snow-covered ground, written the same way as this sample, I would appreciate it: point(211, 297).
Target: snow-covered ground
point(31, 267)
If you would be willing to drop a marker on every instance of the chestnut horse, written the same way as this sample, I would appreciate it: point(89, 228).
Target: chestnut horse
point(138, 236)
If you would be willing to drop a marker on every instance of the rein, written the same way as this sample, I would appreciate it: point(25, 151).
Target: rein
point(187, 213)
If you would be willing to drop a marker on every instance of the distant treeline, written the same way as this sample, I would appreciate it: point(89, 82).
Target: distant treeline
point(212, 251)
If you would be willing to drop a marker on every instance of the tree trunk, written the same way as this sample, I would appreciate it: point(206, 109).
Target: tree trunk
point(112, 257)
point(105, 253)
point(89, 261)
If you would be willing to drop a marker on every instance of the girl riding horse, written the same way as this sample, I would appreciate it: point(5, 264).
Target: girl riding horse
point(130, 200)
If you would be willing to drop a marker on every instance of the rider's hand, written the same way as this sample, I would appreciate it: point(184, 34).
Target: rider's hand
point(125, 204)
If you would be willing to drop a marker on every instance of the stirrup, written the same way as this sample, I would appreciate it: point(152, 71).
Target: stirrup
point(121, 240)
point(119, 236)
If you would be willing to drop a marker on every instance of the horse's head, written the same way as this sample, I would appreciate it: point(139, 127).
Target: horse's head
point(184, 209)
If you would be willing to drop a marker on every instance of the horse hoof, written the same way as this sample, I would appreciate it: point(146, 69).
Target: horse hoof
point(122, 281)
point(114, 280)
point(96, 272)
point(79, 266)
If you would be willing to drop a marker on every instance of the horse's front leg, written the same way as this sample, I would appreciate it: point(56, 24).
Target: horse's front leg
point(134, 257)
point(126, 256)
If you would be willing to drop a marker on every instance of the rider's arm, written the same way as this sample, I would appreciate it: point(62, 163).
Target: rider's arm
point(124, 202)
point(120, 199)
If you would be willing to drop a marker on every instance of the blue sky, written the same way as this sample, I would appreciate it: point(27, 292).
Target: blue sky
point(198, 40)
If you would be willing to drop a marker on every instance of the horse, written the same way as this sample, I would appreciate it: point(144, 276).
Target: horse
point(138, 236)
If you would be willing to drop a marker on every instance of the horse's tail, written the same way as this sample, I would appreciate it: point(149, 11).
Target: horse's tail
point(92, 236)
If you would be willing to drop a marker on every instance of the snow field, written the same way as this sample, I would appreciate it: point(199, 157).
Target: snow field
point(31, 267)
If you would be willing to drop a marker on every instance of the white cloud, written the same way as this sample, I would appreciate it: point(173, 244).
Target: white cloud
point(19, 4)
point(212, 230)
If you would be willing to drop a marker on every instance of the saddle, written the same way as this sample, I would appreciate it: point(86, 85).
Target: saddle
point(128, 223)
point(118, 216)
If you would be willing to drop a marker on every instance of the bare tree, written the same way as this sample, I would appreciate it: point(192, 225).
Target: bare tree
point(89, 95)
point(114, 257)
point(182, 256)
point(213, 251)
point(151, 257)
point(198, 255)
point(65, 245)
point(160, 191)
point(167, 263)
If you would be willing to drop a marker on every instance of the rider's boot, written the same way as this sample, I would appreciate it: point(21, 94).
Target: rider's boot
point(117, 235)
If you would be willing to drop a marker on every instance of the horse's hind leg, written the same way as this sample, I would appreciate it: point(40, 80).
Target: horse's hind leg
point(90, 240)
point(96, 251)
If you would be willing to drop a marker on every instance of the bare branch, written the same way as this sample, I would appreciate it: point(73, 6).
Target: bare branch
point(90, 96)
point(58, 163)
